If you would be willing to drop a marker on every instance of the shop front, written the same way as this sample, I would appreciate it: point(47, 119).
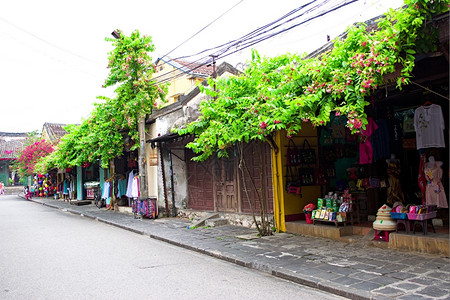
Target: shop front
point(401, 159)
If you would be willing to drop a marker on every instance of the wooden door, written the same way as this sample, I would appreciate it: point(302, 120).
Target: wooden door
point(257, 156)
point(225, 184)
point(200, 184)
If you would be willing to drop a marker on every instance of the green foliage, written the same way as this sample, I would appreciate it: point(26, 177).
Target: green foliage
point(101, 136)
point(282, 92)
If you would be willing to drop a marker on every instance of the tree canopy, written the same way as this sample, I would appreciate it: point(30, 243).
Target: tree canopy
point(282, 92)
point(101, 135)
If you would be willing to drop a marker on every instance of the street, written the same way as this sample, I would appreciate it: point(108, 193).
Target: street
point(48, 254)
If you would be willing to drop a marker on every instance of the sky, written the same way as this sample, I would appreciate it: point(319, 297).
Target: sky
point(53, 53)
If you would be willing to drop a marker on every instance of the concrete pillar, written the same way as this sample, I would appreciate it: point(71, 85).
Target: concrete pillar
point(80, 183)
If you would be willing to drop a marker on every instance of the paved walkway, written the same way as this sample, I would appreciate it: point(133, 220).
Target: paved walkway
point(350, 270)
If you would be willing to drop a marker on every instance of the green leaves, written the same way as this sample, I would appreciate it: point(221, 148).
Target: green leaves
point(101, 136)
point(284, 91)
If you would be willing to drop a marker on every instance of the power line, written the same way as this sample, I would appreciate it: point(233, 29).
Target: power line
point(254, 37)
point(53, 45)
point(225, 47)
point(249, 34)
point(202, 29)
point(247, 41)
point(251, 43)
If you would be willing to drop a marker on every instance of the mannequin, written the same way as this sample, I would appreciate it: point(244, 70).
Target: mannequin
point(434, 194)
point(394, 191)
point(392, 159)
point(431, 162)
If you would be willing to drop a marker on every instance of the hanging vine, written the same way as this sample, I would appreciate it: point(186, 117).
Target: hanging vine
point(284, 91)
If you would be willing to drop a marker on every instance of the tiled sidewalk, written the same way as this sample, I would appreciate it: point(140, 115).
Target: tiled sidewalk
point(355, 271)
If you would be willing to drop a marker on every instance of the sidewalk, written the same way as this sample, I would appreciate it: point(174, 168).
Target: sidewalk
point(350, 270)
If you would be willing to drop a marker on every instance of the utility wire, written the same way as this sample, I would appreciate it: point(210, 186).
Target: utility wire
point(202, 29)
point(48, 43)
point(254, 42)
point(227, 46)
point(248, 42)
point(205, 60)
point(248, 34)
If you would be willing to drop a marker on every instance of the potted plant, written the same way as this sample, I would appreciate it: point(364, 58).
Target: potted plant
point(307, 210)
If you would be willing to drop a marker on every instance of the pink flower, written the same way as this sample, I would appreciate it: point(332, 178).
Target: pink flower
point(337, 113)
point(263, 125)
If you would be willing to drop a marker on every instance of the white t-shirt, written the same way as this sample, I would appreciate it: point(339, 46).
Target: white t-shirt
point(429, 125)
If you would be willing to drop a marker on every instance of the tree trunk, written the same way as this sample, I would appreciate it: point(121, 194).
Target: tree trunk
point(112, 169)
point(141, 160)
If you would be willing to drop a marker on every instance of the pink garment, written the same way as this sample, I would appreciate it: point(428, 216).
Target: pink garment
point(421, 180)
point(365, 146)
point(435, 194)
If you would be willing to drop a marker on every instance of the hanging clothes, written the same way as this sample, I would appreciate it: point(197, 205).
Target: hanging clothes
point(395, 136)
point(66, 187)
point(135, 193)
point(121, 188)
point(394, 191)
point(421, 179)
point(380, 138)
point(435, 194)
point(106, 194)
point(106, 189)
point(429, 125)
point(130, 184)
point(71, 189)
point(365, 145)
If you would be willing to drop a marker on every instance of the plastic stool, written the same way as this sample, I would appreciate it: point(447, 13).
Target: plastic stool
point(405, 223)
point(382, 235)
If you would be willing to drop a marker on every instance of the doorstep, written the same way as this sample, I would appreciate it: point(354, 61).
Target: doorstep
point(126, 209)
point(432, 243)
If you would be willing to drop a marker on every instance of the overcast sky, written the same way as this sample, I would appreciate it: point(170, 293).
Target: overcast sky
point(53, 55)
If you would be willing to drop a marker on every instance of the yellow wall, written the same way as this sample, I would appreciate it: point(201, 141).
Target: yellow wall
point(44, 135)
point(285, 203)
point(180, 83)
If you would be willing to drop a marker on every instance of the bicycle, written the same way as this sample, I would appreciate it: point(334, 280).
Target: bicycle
point(98, 201)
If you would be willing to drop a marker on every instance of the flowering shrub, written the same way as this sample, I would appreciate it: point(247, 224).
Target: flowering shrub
point(280, 93)
point(30, 155)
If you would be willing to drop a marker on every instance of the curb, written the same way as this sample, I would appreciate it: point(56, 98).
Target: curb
point(326, 286)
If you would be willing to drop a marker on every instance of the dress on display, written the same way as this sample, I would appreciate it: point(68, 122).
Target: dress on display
point(435, 194)
point(429, 125)
point(365, 145)
point(394, 191)
point(421, 180)
point(130, 184)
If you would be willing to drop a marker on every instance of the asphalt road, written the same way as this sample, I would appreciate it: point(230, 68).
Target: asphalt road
point(48, 254)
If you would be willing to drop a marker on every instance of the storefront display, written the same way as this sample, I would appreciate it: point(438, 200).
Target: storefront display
point(44, 185)
point(384, 224)
point(434, 191)
point(395, 158)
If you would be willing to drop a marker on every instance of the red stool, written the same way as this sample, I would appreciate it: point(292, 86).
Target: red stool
point(382, 235)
